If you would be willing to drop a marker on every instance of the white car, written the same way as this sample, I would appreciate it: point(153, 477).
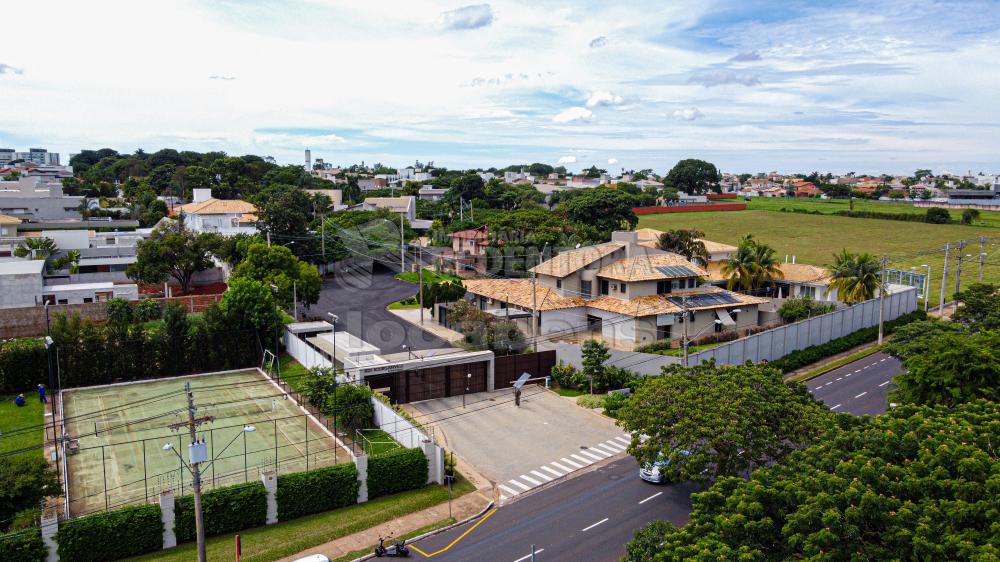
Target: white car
point(313, 558)
point(658, 472)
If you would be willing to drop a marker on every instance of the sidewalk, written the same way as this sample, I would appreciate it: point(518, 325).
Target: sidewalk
point(412, 315)
point(463, 507)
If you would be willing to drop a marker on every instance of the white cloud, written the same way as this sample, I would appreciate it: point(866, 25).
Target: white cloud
point(8, 69)
point(612, 161)
point(598, 42)
point(573, 114)
point(746, 57)
point(468, 17)
point(599, 98)
point(720, 77)
point(221, 77)
point(688, 114)
point(567, 160)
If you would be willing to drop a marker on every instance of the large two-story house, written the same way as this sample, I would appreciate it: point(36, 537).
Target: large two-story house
point(622, 292)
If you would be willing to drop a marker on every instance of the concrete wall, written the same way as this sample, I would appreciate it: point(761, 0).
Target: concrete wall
point(304, 353)
point(397, 426)
point(779, 342)
point(18, 291)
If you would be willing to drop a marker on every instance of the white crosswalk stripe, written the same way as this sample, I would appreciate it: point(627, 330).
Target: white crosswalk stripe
point(545, 477)
point(553, 471)
point(561, 467)
point(558, 469)
point(529, 480)
point(607, 447)
point(612, 443)
point(516, 483)
point(571, 463)
point(591, 455)
point(598, 450)
point(584, 460)
point(508, 490)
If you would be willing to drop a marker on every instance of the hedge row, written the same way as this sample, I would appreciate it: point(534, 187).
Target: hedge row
point(225, 510)
point(907, 217)
point(26, 546)
point(111, 536)
point(23, 365)
point(302, 493)
point(812, 354)
point(396, 471)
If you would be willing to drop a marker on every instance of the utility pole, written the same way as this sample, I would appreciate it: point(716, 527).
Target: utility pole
point(402, 246)
point(268, 238)
point(958, 268)
point(197, 454)
point(982, 256)
point(534, 306)
point(420, 276)
point(881, 300)
point(322, 236)
point(461, 209)
point(944, 276)
point(295, 300)
point(685, 322)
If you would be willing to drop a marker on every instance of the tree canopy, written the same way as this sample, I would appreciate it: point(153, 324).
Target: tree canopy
point(686, 242)
point(275, 265)
point(693, 176)
point(857, 277)
point(752, 267)
point(604, 209)
point(171, 252)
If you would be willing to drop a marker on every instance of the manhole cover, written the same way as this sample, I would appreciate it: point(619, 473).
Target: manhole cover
point(584, 447)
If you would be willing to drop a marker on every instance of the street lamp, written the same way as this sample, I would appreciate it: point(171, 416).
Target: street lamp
point(468, 384)
point(409, 354)
point(926, 284)
point(334, 318)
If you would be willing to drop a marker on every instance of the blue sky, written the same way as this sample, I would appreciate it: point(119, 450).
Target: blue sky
point(750, 85)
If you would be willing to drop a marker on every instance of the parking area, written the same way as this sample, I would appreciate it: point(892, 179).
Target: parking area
point(545, 439)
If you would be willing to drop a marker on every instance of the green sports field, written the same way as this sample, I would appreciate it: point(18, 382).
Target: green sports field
point(21, 428)
point(122, 429)
point(814, 238)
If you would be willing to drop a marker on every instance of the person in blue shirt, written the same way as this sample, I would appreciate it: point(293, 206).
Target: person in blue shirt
point(19, 400)
point(41, 393)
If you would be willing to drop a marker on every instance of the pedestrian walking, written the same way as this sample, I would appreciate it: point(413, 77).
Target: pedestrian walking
point(41, 394)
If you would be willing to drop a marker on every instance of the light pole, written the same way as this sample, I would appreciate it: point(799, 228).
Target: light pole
point(409, 354)
point(334, 318)
point(468, 384)
point(927, 285)
point(277, 321)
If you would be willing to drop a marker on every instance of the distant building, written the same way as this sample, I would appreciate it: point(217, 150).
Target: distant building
point(38, 198)
point(39, 156)
point(225, 216)
point(430, 193)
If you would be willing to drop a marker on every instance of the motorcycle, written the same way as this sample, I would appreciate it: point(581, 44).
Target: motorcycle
point(397, 550)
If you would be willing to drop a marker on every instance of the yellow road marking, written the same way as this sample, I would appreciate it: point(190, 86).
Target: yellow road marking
point(460, 537)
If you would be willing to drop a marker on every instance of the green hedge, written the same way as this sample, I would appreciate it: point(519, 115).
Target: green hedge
point(111, 536)
point(812, 354)
point(23, 365)
point(302, 493)
point(396, 471)
point(225, 509)
point(26, 546)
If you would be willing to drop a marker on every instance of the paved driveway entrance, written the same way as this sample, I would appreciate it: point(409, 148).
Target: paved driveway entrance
point(521, 448)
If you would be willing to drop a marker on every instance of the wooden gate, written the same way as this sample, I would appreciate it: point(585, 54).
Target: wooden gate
point(507, 369)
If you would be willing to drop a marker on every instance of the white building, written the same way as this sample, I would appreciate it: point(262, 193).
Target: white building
point(39, 156)
point(38, 198)
point(225, 216)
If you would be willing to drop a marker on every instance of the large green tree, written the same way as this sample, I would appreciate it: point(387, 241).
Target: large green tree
point(951, 369)
point(979, 307)
point(919, 483)
point(171, 252)
point(752, 267)
point(276, 265)
point(693, 176)
point(713, 421)
point(857, 277)
point(684, 241)
point(602, 208)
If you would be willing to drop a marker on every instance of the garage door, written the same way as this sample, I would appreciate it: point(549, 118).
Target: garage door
point(426, 384)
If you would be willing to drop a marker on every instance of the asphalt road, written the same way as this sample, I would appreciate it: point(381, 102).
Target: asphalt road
point(859, 387)
point(359, 298)
point(584, 519)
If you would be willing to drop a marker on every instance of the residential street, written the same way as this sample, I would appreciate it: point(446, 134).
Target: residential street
point(359, 299)
point(859, 387)
point(584, 519)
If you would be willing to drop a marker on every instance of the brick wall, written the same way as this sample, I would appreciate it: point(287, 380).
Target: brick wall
point(697, 208)
point(30, 321)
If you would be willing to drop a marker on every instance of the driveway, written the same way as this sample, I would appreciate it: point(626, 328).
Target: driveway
point(545, 439)
point(359, 297)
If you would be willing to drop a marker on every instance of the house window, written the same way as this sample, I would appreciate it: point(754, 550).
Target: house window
point(662, 287)
point(691, 283)
point(807, 291)
point(585, 289)
point(558, 283)
point(604, 287)
point(622, 288)
point(663, 332)
point(87, 300)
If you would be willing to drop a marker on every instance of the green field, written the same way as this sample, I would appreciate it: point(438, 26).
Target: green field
point(829, 206)
point(813, 239)
point(125, 461)
point(30, 416)
point(430, 276)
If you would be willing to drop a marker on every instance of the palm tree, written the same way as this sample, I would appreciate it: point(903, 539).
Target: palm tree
point(685, 242)
point(753, 266)
point(857, 277)
point(46, 249)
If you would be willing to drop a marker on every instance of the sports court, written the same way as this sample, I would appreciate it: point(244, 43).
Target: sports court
point(119, 433)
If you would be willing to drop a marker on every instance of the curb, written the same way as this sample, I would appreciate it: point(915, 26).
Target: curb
point(488, 507)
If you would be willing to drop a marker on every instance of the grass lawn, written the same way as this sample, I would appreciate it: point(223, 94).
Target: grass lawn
point(813, 239)
point(401, 304)
point(292, 371)
point(32, 415)
point(406, 536)
point(430, 276)
point(284, 539)
point(827, 367)
point(377, 441)
point(571, 392)
point(829, 206)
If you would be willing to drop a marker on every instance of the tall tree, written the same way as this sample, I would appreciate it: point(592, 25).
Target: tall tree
point(602, 208)
point(171, 252)
point(694, 176)
point(857, 277)
point(276, 265)
point(951, 369)
point(715, 421)
point(979, 307)
point(753, 266)
point(595, 354)
point(686, 242)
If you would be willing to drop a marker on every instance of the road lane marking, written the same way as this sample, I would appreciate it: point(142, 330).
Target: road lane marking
point(584, 460)
point(460, 537)
point(516, 483)
point(858, 371)
point(828, 384)
point(561, 467)
point(881, 360)
point(650, 497)
point(614, 444)
point(542, 475)
point(885, 383)
point(848, 374)
point(609, 448)
point(572, 463)
point(835, 407)
point(510, 491)
point(588, 454)
point(624, 440)
point(553, 471)
point(525, 557)
point(529, 480)
point(585, 529)
point(840, 378)
point(862, 394)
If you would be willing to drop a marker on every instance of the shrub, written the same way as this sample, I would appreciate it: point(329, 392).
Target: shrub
point(119, 311)
point(396, 471)
point(590, 401)
point(566, 376)
point(24, 483)
point(970, 215)
point(147, 310)
point(613, 402)
point(226, 509)
point(812, 354)
point(800, 308)
point(302, 493)
point(25, 519)
point(353, 403)
point(938, 215)
point(23, 364)
point(114, 535)
point(26, 546)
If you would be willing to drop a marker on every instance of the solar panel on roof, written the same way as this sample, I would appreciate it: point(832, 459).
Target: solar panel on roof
point(704, 300)
point(676, 271)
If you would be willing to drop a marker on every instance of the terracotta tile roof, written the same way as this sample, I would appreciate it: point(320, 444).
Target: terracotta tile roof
point(643, 268)
point(794, 272)
point(248, 218)
point(717, 247)
point(518, 292)
point(7, 219)
point(472, 233)
point(649, 237)
point(660, 304)
point(571, 260)
point(217, 207)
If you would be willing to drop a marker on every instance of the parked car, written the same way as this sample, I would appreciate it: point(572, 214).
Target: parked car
point(659, 472)
point(313, 558)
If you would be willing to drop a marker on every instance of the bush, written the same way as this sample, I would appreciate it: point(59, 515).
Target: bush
point(25, 519)
point(800, 308)
point(119, 311)
point(396, 471)
point(353, 403)
point(938, 215)
point(114, 535)
point(566, 376)
point(226, 510)
point(24, 483)
point(812, 354)
point(590, 401)
point(147, 310)
point(302, 493)
point(26, 546)
point(613, 402)
point(970, 215)
point(23, 364)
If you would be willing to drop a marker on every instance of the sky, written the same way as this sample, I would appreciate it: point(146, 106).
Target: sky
point(751, 86)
